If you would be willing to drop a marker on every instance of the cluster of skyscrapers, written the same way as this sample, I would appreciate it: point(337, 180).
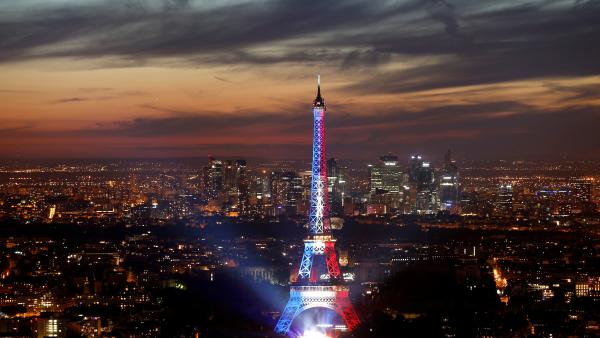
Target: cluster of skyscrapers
point(225, 185)
point(417, 188)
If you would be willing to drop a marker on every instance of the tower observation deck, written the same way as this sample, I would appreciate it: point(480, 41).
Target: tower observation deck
point(319, 283)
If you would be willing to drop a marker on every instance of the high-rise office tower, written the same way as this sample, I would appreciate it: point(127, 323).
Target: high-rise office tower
point(212, 178)
point(503, 205)
point(259, 192)
point(580, 190)
point(229, 170)
point(235, 186)
point(332, 172)
point(386, 175)
point(304, 203)
point(581, 197)
point(449, 185)
point(286, 192)
point(413, 167)
point(336, 175)
point(243, 187)
point(385, 183)
point(423, 180)
point(226, 182)
point(320, 283)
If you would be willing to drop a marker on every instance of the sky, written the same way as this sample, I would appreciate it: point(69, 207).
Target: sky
point(173, 78)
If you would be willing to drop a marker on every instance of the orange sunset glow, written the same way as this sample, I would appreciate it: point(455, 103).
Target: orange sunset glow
point(180, 79)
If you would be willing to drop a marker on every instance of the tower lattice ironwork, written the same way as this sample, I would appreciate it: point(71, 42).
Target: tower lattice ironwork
point(320, 283)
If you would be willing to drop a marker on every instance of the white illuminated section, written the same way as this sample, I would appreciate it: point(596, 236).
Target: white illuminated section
point(319, 294)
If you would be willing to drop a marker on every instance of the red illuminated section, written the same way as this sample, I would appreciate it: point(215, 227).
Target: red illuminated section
point(333, 267)
point(345, 309)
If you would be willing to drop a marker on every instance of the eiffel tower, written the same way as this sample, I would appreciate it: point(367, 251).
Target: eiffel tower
point(319, 283)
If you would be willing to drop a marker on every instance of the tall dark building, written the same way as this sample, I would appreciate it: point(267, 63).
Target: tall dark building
point(227, 184)
point(386, 174)
point(413, 167)
point(336, 175)
point(422, 177)
point(449, 185)
point(230, 176)
point(286, 192)
point(259, 192)
point(385, 183)
point(212, 178)
point(503, 205)
point(580, 192)
point(242, 187)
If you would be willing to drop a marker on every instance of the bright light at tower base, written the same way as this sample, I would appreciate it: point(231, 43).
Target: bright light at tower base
point(313, 334)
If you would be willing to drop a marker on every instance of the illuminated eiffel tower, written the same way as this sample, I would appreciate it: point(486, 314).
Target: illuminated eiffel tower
point(320, 283)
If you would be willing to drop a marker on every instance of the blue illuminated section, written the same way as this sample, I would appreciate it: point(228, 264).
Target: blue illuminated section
point(306, 262)
point(289, 313)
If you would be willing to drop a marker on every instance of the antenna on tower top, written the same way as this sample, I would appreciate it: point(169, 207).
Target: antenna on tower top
point(318, 85)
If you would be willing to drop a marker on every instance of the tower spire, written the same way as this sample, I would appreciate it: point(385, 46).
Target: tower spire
point(318, 85)
point(319, 101)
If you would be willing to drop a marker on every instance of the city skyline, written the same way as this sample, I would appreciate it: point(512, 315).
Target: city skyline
point(186, 79)
point(163, 249)
point(302, 169)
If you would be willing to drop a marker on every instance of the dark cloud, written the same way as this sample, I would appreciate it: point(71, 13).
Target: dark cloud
point(222, 79)
point(83, 99)
point(136, 31)
point(483, 45)
point(516, 44)
point(71, 99)
point(443, 11)
point(283, 150)
point(519, 42)
point(95, 89)
point(204, 124)
point(366, 58)
point(15, 129)
point(568, 133)
point(487, 130)
point(448, 43)
point(510, 130)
